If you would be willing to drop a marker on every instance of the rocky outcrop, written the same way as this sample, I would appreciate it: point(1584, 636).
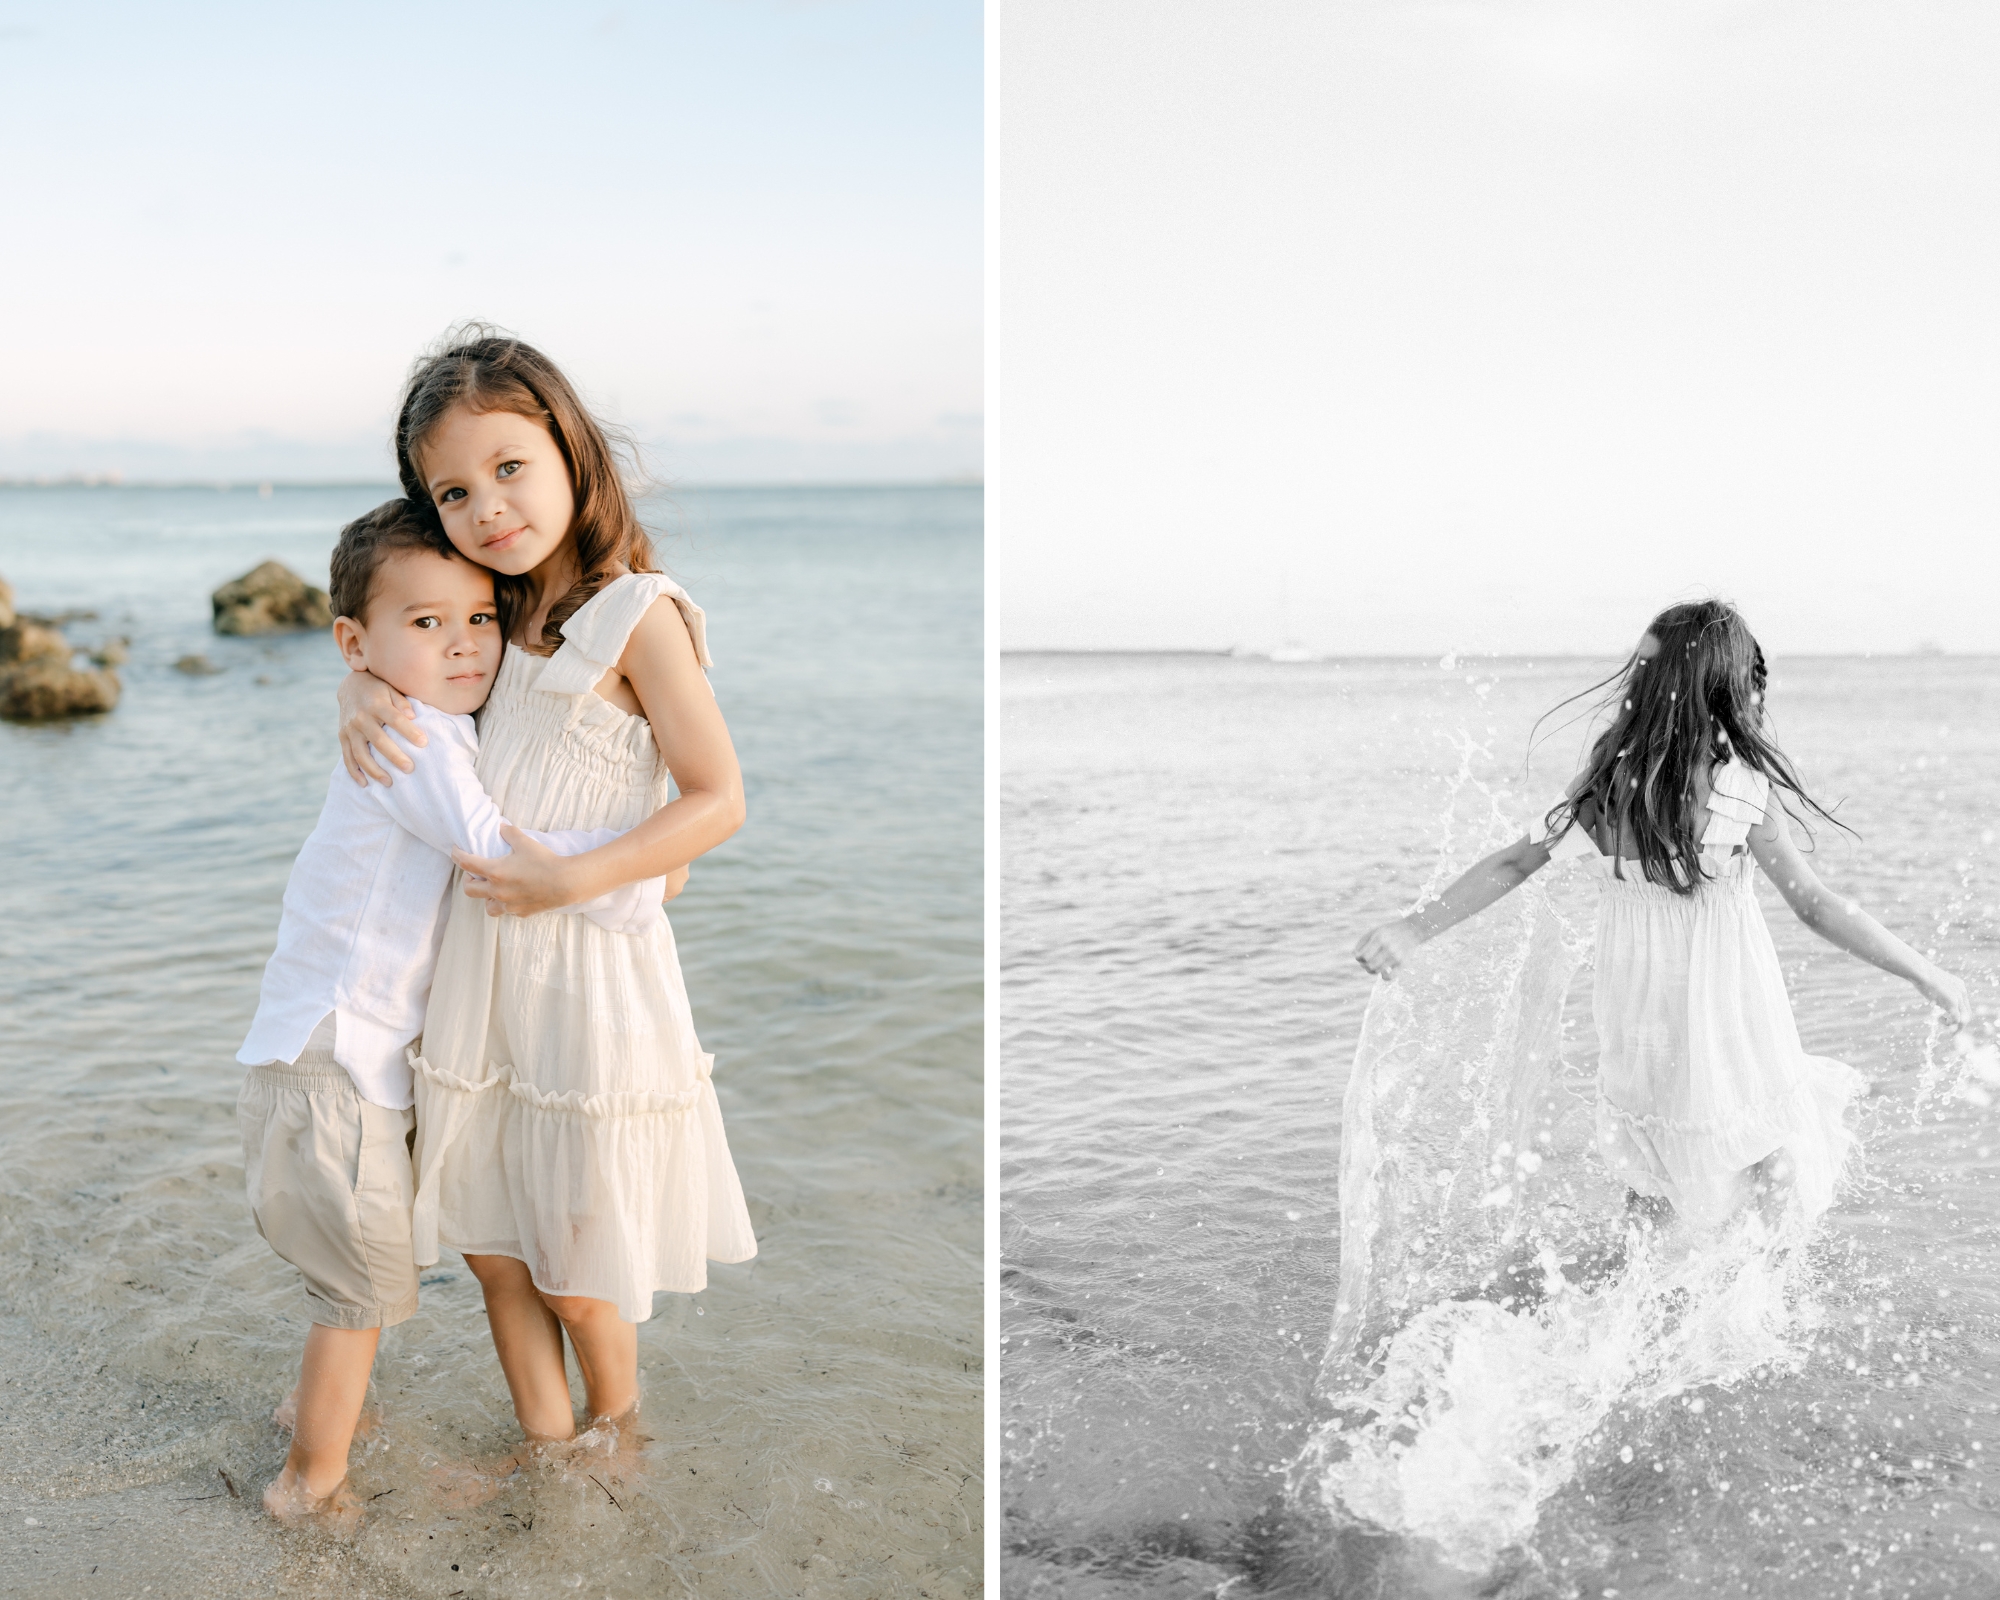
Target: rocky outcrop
point(270, 599)
point(22, 641)
point(44, 688)
point(6, 604)
point(36, 679)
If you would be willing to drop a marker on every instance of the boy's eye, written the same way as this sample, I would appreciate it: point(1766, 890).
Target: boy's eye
point(450, 495)
point(507, 469)
point(425, 622)
point(479, 618)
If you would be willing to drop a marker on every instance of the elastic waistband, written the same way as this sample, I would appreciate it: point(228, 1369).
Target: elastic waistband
point(1708, 890)
point(315, 1069)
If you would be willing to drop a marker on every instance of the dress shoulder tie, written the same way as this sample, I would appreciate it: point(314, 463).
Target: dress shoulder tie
point(594, 637)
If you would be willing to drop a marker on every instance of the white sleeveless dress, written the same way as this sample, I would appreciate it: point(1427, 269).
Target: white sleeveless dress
point(1701, 1074)
point(564, 1111)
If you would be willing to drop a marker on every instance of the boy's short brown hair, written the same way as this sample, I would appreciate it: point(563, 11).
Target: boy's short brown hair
point(392, 528)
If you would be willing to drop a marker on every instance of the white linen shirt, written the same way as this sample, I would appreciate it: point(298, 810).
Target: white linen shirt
point(366, 903)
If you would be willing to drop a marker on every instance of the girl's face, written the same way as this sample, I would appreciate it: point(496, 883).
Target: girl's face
point(501, 487)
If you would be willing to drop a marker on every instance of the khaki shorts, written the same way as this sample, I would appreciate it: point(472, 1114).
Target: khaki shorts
point(331, 1186)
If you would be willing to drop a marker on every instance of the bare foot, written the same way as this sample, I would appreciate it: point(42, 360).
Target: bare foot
point(618, 1437)
point(291, 1501)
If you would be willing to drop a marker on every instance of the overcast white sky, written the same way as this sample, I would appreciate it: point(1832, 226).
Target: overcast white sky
point(1400, 327)
point(748, 228)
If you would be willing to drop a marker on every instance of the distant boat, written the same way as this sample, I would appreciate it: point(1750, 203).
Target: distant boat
point(1289, 652)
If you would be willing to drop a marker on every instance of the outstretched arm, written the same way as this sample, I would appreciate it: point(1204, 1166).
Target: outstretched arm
point(1382, 950)
point(1843, 924)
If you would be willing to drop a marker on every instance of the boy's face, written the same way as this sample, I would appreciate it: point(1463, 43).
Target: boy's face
point(431, 631)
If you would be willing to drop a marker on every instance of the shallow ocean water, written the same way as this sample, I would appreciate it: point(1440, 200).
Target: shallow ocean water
point(1192, 846)
point(815, 1414)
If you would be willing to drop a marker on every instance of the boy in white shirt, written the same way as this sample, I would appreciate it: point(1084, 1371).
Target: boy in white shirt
point(325, 1109)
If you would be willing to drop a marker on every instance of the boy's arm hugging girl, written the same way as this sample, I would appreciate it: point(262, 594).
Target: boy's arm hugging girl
point(428, 1031)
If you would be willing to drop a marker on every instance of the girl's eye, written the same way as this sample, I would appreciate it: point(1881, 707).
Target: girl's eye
point(425, 622)
point(479, 618)
point(450, 495)
point(507, 469)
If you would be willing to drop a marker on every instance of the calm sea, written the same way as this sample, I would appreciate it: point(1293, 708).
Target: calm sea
point(816, 1413)
point(1192, 847)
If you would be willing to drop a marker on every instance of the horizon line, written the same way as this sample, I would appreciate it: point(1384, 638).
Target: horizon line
point(258, 485)
point(1459, 657)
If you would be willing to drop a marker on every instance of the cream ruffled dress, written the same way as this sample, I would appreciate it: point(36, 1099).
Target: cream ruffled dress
point(564, 1111)
point(1700, 1071)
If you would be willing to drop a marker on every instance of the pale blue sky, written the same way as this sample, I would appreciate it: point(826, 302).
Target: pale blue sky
point(751, 231)
point(1419, 325)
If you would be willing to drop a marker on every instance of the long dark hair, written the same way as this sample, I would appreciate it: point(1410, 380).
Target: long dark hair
point(484, 370)
point(1690, 696)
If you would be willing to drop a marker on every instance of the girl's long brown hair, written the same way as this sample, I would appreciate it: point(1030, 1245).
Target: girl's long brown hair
point(1691, 694)
point(484, 370)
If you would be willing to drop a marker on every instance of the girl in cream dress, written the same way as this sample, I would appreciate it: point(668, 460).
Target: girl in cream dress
point(1706, 1097)
point(565, 1116)
point(569, 1141)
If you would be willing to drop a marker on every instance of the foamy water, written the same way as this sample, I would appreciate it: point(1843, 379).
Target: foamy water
point(815, 1414)
point(1193, 845)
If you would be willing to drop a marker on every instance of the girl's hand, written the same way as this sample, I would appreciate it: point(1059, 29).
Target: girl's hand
point(1382, 950)
point(677, 880)
point(367, 707)
point(1948, 994)
point(534, 878)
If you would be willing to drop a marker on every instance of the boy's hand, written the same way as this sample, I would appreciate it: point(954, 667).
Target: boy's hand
point(534, 878)
point(1949, 995)
point(1382, 950)
point(367, 707)
point(677, 880)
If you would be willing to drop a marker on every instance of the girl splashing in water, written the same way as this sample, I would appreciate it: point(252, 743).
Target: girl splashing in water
point(1486, 1324)
point(1705, 1096)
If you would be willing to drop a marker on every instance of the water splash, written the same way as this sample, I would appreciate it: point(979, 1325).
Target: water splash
point(1496, 1301)
point(1481, 1408)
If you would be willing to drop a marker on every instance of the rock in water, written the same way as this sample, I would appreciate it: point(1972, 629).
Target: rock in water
point(197, 666)
point(23, 640)
point(270, 599)
point(44, 688)
point(36, 679)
